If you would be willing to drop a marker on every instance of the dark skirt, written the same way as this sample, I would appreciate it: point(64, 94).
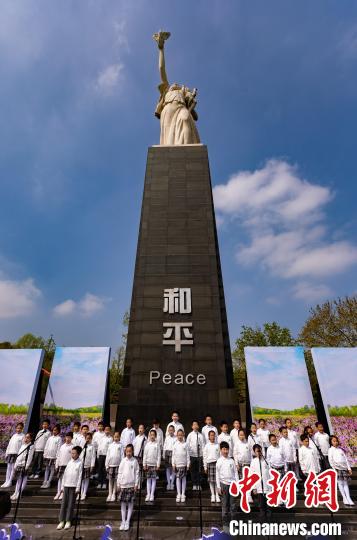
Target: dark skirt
point(211, 472)
point(280, 470)
point(126, 494)
point(180, 472)
point(342, 474)
point(49, 462)
point(113, 472)
point(60, 471)
point(168, 458)
point(11, 458)
point(151, 472)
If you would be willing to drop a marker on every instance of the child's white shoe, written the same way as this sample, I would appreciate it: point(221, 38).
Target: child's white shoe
point(56, 497)
point(60, 525)
point(147, 498)
point(68, 525)
point(6, 484)
point(218, 500)
point(152, 497)
point(109, 498)
point(194, 488)
point(178, 497)
point(213, 498)
point(168, 487)
point(44, 485)
point(126, 526)
point(60, 497)
point(183, 498)
point(113, 498)
point(83, 497)
point(36, 476)
point(122, 526)
point(14, 496)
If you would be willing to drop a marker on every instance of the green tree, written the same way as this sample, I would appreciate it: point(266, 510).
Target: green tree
point(333, 324)
point(117, 366)
point(271, 335)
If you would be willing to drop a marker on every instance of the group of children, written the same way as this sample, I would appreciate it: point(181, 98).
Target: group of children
point(115, 461)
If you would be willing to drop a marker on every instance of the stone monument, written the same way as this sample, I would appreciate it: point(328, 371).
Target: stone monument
point(178, 352)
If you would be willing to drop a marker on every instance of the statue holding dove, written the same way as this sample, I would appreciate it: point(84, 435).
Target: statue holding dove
point(176, 106)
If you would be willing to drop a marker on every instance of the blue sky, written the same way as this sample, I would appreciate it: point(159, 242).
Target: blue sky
point(338, 386)
point(277, 109)
point(83, 371)
point(15, 390)
point(278, 378)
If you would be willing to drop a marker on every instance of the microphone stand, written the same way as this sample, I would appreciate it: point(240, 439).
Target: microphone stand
point(199, 486)
point(141, 453)
point(27, 450)
point(261, 479)
point(77, 519)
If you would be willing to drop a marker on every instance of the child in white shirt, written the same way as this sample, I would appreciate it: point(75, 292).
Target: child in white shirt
point(170, 440)
point(139, 444)
point(128, 484)
point(159, 433)
point(209, 427)
point(195, 443)
point(322, 441)
point(308, 459)
point(112, 462)
point(39, 447)
point(63, 458)
point(89, 456)
point(103, 446)
point(294, 438)
point(210, 457)
point(235, 432)
point(175, 421)
point(225, 436)
point(97, 436)
point(78, 438)
point(22, 466)
point(226, 473)
point(254, 438)
point(128, 433)
point(288, 450)
point(11, 452)
point(339, 463)
point(260, 467)
point(241, 453)
point(180, 465)
point(151, 463)
point(71, 485)
point(263, 433)
point(50, 454)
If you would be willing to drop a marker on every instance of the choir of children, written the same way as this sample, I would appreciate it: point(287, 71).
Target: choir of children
point(119, 459)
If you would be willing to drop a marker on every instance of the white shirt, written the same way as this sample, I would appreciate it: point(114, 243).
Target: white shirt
point(180, 455)
point(159, 436)
point(226, 471)
point(288, 450)
point(252, 440)
point(72, 474)
point(78, 439)
point(234, 436)
point(210, 453)
point(15, 443)
point(128, 474)
point(192, 440)
point(264, 436)
point(169, 442)
point(138, 444)
point(41, 439)
point(205, 431)
point(152, 454)
point(21, 458)
point(127, 436)
point(256, 467)
point(64, 455)
point(308, 460)
point(114, 455)
point(226, 438)
point(338, 459)
point(323, 442)
point(90, 453)
point(294, 438)
point(97, 437)
point(103, 445)
point(275, 457)
point(52, 447)
point(177, 426)
point(241, 452)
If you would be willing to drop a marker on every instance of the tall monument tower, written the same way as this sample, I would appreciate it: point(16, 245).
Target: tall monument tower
point(178, 352)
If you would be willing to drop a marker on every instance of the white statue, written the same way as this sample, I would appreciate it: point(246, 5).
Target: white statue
point(176, 107)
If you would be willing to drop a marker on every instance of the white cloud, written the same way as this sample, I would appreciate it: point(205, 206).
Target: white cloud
point(311, 292)
point(89, 305)
point(109, 79)
point(283, 215)
point(17, 298)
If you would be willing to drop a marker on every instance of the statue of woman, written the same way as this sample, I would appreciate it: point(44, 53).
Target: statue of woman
point(176, 107)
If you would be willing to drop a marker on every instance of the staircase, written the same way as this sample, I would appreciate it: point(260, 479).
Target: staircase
point(164, 518)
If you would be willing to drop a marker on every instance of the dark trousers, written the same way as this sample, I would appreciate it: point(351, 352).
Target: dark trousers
point(102, 473)
point(264, 509)
point(228, 505)
point(37, 463)
point(68, 502)
point(196, 468)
